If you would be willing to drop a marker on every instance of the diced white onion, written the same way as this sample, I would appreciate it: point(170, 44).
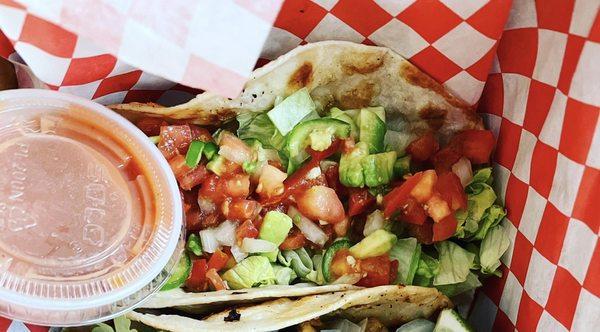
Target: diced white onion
point(374, 222)
point(209, 241)
point(225, 233)
point(251, 245)
point(310, 230)
point(462, 169)
point(349, 279)
point(313, 173)
point(325, 164)
point(238, 253)
point(234, 149)
point(206, 205)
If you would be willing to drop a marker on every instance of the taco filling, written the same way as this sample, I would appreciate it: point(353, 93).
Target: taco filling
point(299, 193)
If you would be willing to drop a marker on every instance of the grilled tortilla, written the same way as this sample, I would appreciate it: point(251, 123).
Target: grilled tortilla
point(392, 305)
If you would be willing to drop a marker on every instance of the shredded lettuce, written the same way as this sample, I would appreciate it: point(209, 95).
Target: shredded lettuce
point(283, 274)
point(251, 272)
point(122, 324)
point(492, 248)
point(292, 110)
point(299, 260)
point(408, 253)
point(492, 217)
point(470, 283)
point(427, 269)
point(455, 263)
point(258, 126)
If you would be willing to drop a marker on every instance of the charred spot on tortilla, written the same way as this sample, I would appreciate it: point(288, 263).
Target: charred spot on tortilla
point(238, 293)
point(358, 96)
point(301, 77)
point(362, 63)
point(434, 116)
point(233, 316)
point(414, 76)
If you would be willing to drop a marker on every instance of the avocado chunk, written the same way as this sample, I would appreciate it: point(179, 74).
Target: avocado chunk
point(378, 168)
point(274, 228)
point(337, 113)
point(318, 133)
point(291, 111)
point(351, 171)
point(376, 244)
point(402, 167)
point(371, 130)
point(217, 165)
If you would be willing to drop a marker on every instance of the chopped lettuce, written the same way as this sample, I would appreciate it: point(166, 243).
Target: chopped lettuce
point(122, 324)
point(283, 274)
point(258, 126)
point(455, 263)
point(251, 272)
point(408, 253)
point(299, 260)
point(492, 248)
point(427, 269)
point(292, 110)
point(470, 283)
point(492, 217)
point(483, 175)
point(481, 213)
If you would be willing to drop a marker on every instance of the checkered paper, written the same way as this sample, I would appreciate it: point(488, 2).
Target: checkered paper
point(186, 41)
point(537, 64)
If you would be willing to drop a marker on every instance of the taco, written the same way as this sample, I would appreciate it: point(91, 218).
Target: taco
point(339, 164)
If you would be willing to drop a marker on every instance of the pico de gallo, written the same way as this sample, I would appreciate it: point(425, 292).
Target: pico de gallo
point(294, 196)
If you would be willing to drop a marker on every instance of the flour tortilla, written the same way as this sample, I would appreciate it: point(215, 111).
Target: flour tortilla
point(337, 73)
point(200, 303)
point(392, 305)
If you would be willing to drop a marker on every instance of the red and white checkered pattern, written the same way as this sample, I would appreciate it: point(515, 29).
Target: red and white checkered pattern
point(190, 42)
point(541, 99)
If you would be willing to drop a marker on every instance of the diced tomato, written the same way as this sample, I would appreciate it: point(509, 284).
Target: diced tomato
point(412, 212)
point(174, 139)
point(359, 200)
point(193, 178)
point(196, 220)
point(246, 230)
point(234, 149)
point(343, 263)
point(270, 182)
point(320, 155)
point(395, 199)
point(321, 203)
point(423, 147)
point(197, 279)
point(476, 145)
point(151, 126)
point(238, 185)
point(451, 190)
point(240, 209)
point(437, 208)
point(212, 188)
point(377, 270)
point(423, 233)
point(445, 228)
point(215, 280)
point(294, 240)
point(444, 159)
point(393, 270)
point(332, 175)
point(178, 166)
point(200, 134)
point(423, 190)
point(218, 260)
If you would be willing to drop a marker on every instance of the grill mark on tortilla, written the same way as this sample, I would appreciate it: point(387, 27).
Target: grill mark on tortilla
point(416, 77)
point(233, 316)
point(363, 63)
point(359, 96)
point(434, 116)
point(301, 77)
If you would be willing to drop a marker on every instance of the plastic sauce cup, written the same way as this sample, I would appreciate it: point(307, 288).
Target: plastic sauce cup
point(90, 212)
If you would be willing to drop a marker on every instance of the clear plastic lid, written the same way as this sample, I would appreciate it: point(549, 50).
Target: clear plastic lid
point(90, 212)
